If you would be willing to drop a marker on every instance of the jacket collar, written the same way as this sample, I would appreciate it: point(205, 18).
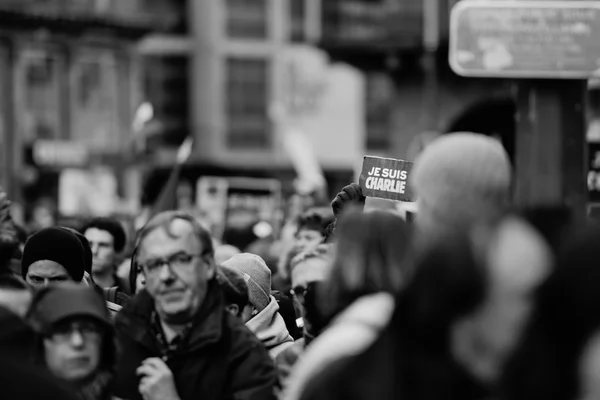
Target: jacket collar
point(135, 319)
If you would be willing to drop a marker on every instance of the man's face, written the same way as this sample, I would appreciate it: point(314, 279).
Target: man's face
point(308, 239)
point(103, 249)
point(44, 272)
point(73, 349)
point(178, 286)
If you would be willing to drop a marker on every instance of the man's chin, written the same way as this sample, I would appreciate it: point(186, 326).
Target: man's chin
point(175, 312)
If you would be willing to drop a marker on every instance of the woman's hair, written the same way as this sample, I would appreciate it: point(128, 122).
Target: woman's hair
point(411, 358)
point(371, 255)
point(565, 318)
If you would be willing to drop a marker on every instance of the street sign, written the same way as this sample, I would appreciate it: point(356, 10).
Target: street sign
point(525, 39)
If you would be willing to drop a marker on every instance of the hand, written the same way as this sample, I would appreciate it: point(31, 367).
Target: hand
point(351, 194)
point(157, 380)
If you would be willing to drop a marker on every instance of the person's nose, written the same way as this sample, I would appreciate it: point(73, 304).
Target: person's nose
point(166, 274)
point(95, 249)
point(77, 338)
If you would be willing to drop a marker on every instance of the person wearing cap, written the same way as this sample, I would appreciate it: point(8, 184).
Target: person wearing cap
point(264, 319)
point(177, 340)
point(235, 292)
point(52, 255)
point(77, 340)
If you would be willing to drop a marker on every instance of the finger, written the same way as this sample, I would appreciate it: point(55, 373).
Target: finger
point(155, 362)
point(145, 370)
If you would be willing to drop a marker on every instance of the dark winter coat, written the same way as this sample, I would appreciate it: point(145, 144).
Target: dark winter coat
point(220, 357)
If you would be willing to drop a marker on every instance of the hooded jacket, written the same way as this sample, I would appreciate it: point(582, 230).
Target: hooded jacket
point(350, 333)
point(269, 327)
point(219, 358)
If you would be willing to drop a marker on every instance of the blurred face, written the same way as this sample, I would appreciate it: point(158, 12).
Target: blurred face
point(176, 272)
point(307, 239)
point(73, 348)
point(44, 272)
point(15, 300)
point(305, 272)
point(103, 249)
point(517, 263)
point(589, 370)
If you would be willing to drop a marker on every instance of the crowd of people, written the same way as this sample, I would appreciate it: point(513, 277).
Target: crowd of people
point(473, 299)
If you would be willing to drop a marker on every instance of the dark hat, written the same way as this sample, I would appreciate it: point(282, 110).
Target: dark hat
point(88, 257)
point(58, 245)
point(54, 303)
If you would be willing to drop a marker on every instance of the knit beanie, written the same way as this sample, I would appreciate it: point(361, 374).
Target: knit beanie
point(257, 276)
point(459, 179)
point(58, 245)
point(233, 284)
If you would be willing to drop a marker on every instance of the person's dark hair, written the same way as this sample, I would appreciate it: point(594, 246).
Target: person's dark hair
point(164, 221)
point(234, 287)
point(372, 255)
point(112, 226)
point(566, 316)
point(412, 358)
point(313, 309)
point(316, 219)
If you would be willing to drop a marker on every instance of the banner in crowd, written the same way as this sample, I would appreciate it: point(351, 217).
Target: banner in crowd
point(238, 203)
point(386, 178)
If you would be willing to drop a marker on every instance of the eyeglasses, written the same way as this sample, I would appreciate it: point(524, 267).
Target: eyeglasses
point(88, 330)
point(175, 262)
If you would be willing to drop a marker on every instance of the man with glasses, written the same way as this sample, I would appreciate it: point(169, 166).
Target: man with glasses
point(177, 340)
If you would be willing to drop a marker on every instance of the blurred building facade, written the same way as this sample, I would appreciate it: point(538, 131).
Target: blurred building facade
point(402, 47)
point(251, 56)
point(71, 77)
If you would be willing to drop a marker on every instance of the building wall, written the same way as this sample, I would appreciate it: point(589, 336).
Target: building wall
point(239, 73)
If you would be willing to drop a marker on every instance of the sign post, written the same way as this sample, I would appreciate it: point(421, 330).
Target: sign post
point(552, 48)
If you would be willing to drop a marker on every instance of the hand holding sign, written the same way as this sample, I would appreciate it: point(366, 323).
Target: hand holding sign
point(386, 178)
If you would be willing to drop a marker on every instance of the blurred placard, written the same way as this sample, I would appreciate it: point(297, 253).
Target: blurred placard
point(60, 153)
point(86, 193)
point(525, 39)
point(238, 202)
point(324, 101)
point(386, 178)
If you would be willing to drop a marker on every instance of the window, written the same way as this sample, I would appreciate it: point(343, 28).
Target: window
point(247, 19)
point(379, 103)
point(247, 103)
point(95, 100)
point(297, 18)
point(40, 96)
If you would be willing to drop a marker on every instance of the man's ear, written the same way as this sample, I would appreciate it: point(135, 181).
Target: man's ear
point(233, 309)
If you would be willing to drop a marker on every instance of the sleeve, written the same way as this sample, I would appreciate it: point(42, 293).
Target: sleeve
point(252, 372)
